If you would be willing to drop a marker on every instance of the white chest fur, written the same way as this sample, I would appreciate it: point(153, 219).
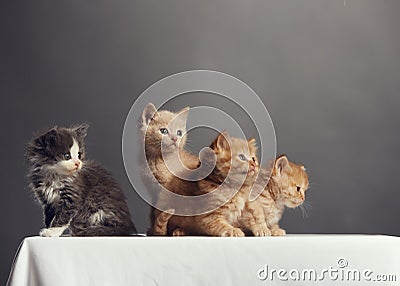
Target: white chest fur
point(51, 190)
point(51, 194)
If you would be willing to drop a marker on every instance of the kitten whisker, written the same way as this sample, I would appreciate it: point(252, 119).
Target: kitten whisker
point(307, 204)
point(304, 212)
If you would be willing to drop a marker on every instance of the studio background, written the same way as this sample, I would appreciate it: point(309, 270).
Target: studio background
point(327, 70)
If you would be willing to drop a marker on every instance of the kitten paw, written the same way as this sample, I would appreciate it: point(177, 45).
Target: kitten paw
point(261, 230)
point(233, 232)
point(179, 232)
point(278, 232)
point(52, 231)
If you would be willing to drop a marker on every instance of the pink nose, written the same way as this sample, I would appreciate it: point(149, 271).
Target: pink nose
point(77, 163)
point(174, 139)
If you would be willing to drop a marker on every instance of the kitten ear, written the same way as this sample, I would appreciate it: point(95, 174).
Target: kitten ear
point(222, 141)
point(148, 113)
point(81, 130)
point(48, 139)
point(252, 142)
point(183, 113)
point(282, 164)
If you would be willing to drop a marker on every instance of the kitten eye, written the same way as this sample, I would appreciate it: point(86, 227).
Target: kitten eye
point(179, 132)
point(242, 157)
point(298, 188)
point(67, 156)
point(79, 155)
point(254, 159)
point(163, 131)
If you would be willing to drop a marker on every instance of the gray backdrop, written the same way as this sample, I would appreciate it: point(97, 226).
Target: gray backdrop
point(329, 74)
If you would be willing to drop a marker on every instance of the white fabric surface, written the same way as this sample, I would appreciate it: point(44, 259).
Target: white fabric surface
point(199, 260)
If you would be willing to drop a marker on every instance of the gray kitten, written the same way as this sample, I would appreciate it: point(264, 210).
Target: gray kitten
point(76, 194)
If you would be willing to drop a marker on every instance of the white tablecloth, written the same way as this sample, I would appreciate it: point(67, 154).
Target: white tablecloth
point(207, 260)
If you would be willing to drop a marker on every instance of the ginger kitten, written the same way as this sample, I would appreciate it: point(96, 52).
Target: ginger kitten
point(238, 158)
point(286, 188)
point(164, 139)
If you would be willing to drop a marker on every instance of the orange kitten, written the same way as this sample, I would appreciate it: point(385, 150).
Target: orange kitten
point(165, 130)
point(238, 157)
point(286, 188)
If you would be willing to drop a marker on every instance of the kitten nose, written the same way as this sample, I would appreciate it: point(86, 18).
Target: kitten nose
point(174, 139)
point(77, 163)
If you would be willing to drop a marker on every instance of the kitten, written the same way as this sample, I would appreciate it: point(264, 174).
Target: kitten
point(75, 194)
point(165, 130)
point(238, 157)
point(286, 188)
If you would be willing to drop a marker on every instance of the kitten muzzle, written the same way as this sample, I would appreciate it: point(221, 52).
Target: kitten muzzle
point(294, 204)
